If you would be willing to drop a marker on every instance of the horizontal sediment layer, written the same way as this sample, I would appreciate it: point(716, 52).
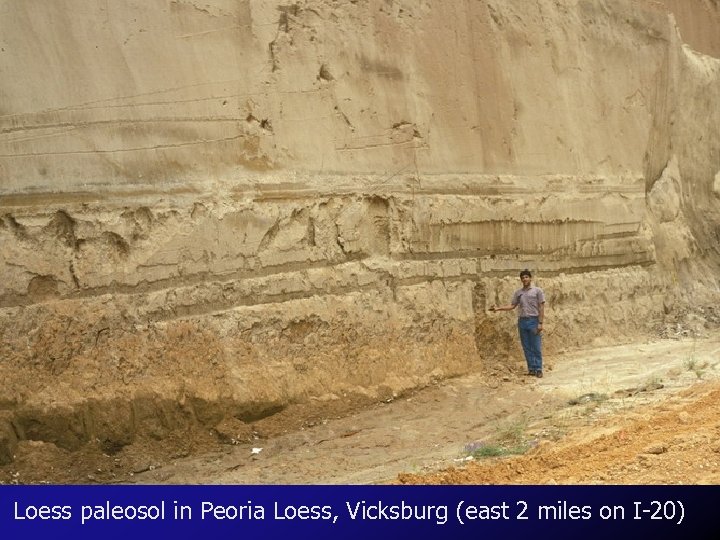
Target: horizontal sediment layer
point(250, 241)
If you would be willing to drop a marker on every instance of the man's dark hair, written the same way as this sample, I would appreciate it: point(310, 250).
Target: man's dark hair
point(525, 272)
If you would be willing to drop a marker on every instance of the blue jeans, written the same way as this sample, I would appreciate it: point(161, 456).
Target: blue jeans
point(531, 342)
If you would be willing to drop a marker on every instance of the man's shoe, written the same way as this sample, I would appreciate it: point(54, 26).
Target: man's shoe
point(538, 374)
point(531, 374)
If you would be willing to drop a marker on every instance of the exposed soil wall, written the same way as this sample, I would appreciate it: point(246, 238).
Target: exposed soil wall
point(211, 212)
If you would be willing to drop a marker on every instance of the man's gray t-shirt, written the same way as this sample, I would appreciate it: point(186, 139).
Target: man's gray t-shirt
point(528, 301)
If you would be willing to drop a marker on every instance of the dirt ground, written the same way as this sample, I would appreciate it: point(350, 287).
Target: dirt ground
point(638, 413)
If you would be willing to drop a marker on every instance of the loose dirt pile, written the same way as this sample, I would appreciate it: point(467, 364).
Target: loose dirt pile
point(676, 441)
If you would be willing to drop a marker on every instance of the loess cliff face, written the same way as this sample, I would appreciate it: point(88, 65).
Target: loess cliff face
point(211, 210)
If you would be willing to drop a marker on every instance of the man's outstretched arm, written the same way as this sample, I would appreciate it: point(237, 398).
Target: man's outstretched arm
point(507, 307)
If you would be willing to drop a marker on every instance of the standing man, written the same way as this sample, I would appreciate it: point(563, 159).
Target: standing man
point(531, 315)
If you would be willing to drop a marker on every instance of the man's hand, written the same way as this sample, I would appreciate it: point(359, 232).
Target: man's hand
point(493, 308)
point(539, 328)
